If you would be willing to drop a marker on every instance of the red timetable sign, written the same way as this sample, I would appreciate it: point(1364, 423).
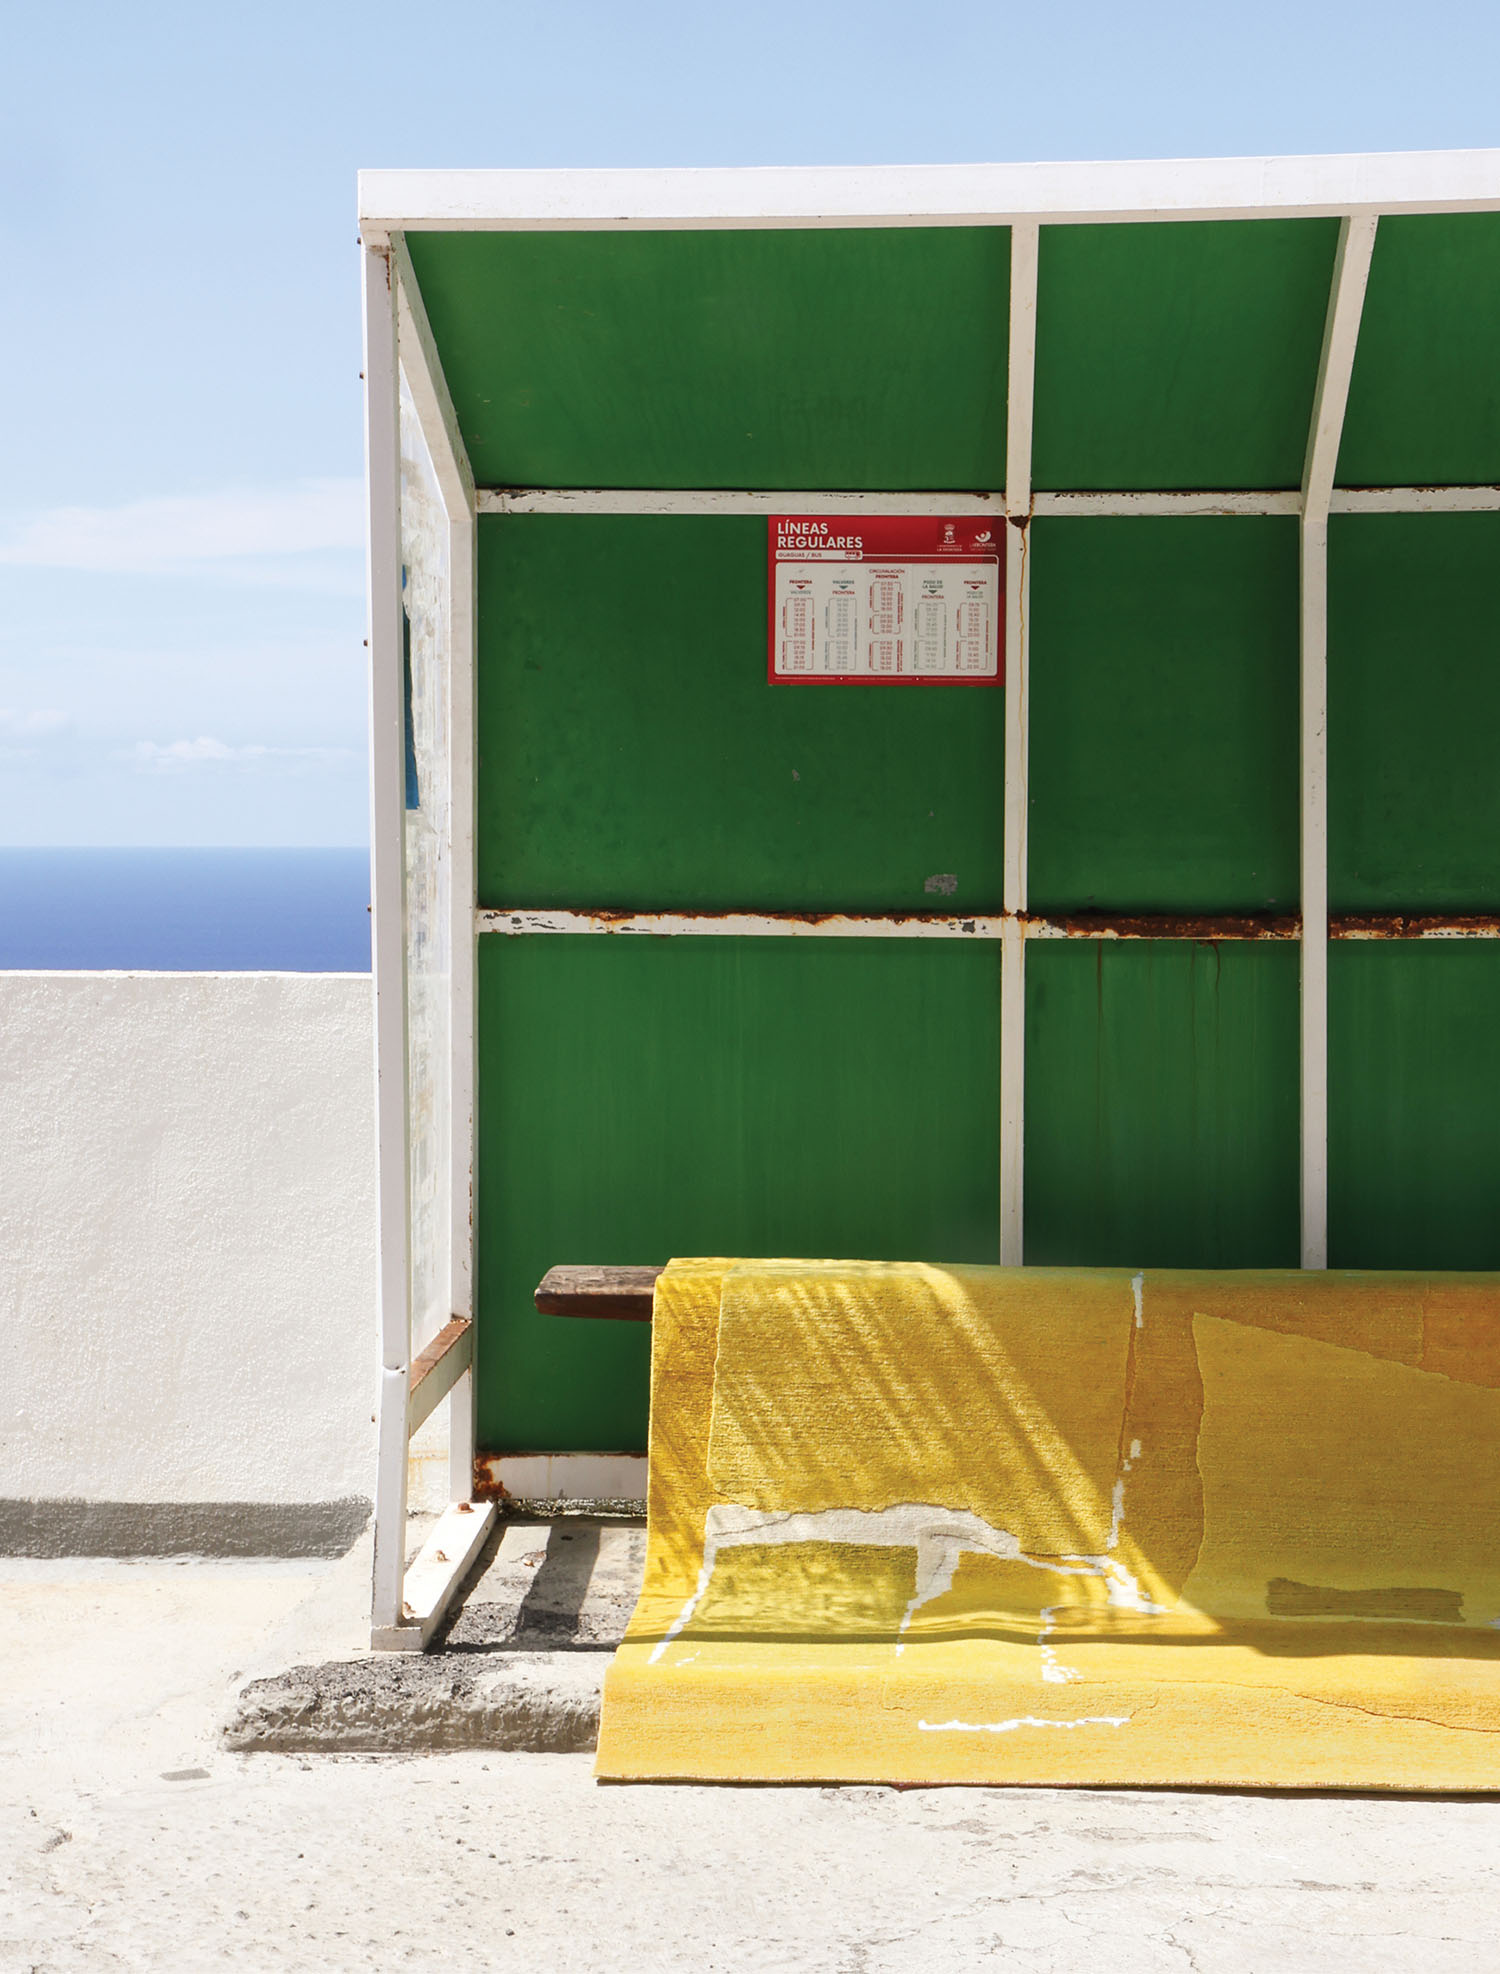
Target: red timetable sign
point(886, 599)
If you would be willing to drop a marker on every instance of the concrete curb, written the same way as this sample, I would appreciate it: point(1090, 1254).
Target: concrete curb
point(529, 1702)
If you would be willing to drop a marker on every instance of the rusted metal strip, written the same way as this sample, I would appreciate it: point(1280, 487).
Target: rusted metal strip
point(783, 925)
point(1200, 927)
point(428, 1360)
point(438, 1369)
point(624, 1295)
point(1411, 925)
point(875, 925)
point(609, 1483)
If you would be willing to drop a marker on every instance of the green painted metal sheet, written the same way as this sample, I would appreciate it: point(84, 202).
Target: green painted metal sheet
point(1162, 1104)
point(1414, 1104)
point(1180, 355)
point(1414, 712)
point(633, 754)
point(849, 359)
point(1164, 694)
point(641, 1098)
point(1424, 401)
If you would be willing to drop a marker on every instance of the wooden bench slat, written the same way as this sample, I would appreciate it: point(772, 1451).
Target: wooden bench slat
point(623, 1295)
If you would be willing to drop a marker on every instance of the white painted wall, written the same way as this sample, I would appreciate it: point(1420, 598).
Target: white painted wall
point(187, 1237)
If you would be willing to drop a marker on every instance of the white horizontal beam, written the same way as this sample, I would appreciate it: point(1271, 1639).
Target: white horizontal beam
point(1415, 500)
point(1051, 506)
point(1198, 927)
point(547, 1477)
point(646, 500)
point(1276, 501)
point(928, 195)
point(850, 925)
point(1415, 928)
point(738, 925)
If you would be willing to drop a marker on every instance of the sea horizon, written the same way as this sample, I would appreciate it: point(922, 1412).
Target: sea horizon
point(197, 910)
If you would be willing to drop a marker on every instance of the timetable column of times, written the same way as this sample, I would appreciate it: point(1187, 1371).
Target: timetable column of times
point(885, 621)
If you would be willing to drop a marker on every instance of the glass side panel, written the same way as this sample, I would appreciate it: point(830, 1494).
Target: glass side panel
point(1161, 1104)
point(425, 587)
point(844, 358)
point(644, 1098)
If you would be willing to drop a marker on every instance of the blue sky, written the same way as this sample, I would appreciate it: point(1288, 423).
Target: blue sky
point(180, 652)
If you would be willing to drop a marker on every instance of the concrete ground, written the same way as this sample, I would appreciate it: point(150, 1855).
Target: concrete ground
point(132, 1838)
point(519, 1667)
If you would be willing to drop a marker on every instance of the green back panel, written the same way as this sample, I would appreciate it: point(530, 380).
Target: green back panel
point(1161, 1105)
point(1414, 1104)
point(633, 754)
point(868, 358)
point(642, 1098)
point(1180, 355)
point(1163, 760)
point(1424, 401)
point(1414, 712)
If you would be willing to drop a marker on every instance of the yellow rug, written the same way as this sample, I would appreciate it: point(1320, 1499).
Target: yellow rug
point(922, 1524)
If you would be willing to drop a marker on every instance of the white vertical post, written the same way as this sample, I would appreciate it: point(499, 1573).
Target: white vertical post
point(463, 948)
point(1024, 242)
point(1351, 271)
point(1313, 548)
point(388, 914)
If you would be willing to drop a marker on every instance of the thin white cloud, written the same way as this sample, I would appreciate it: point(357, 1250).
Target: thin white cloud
point(174, 756)
point(44, 724)
point(307, 518)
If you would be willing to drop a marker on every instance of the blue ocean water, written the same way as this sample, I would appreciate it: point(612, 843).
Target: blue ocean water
point(198, 911)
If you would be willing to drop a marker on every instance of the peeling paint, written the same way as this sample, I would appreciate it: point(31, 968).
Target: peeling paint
point(1374, 925)
point(1022, 1720)
point(940, 1537)
point(1053, 1671)
point(1199, 927)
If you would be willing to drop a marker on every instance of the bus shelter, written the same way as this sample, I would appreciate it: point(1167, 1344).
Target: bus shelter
point(931, 713)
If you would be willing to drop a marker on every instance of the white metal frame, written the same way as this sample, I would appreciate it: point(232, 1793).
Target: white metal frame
point(1055, 194)
point(1351, 270)
point(1043, 505)
point(1357, 190)
point(408, 1603)
point(521, 921)
point(450, 458)
point(1025, 243)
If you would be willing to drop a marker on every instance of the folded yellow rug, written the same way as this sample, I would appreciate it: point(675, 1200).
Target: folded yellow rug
point(922, 1524)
